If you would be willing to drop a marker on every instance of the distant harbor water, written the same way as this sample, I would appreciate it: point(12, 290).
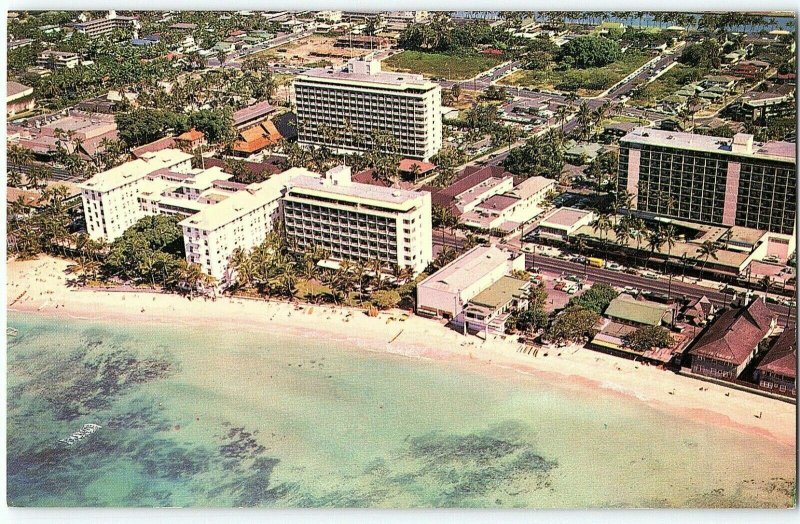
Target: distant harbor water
point(646, 21)
point(196, 416)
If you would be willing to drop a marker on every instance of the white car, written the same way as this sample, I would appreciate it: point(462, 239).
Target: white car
point(613, 266)
point(528, 248)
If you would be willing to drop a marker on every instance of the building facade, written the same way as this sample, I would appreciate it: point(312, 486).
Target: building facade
point(710, 179)
point(242, 221)
point(50, 59)
point(345, 109)
point(111, 199)
point(353, 221)
point(101, 26)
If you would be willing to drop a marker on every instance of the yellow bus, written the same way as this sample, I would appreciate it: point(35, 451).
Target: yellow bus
point(596, 262)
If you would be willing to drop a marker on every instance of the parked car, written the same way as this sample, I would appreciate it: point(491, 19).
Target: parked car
point(651, 275)
point(613, 266)
point(527, 248)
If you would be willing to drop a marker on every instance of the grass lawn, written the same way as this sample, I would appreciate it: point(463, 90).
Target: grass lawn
point(452, 67)
point(307, 287)
point(665, 85)
point(585, 82)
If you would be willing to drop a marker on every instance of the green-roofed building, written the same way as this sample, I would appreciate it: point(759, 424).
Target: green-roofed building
point(489, 309)
point(628, 310)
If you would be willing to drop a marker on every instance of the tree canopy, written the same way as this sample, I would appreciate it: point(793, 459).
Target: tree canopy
point(596, 298)
point(648, 337)
point(589, 51)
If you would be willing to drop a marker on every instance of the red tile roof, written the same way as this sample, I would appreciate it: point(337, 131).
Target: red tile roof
point(407, 165)
point(191, 135)
point(368, 176)
point(781, 358)
point(257, 138)
point(736, 333)
point(158, 145)
point(253, 112)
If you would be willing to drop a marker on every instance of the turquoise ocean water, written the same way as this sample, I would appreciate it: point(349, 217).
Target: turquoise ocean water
point(219, 417)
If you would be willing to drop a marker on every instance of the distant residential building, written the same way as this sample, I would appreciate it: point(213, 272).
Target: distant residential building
point(107, 24)
point(359, 222)
point(183, 26)
point(19, 98)
point(447, 292)
point(50, 59)
point(19, 43)
point(711, 180)
point(359, 101)
point(777, 371)
point(760, 106)
point(730, 343)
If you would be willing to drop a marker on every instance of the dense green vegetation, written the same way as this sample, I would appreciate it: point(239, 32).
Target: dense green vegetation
point(648, 337)
point(665, 85)
point(589, 51)
point(596, 298)
point(465, 65)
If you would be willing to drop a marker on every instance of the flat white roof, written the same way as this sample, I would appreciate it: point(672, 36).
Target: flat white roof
point(135, 169)
point(355, 191)
point(467, 269)
point(531, 186)
point(245, 201)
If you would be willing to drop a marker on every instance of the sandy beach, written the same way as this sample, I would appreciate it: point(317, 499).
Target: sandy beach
point(39, 286)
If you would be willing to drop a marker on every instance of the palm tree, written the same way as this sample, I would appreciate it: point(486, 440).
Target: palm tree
point(584, 119)
point(654, 242)
point(707, 249)
point(603, 224)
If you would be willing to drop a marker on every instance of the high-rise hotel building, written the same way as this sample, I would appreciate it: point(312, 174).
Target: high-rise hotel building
point(353, 221)
point(712, 180)
point(345, 108)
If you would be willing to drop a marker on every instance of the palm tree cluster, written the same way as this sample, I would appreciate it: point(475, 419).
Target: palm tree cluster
point(274, 269)
point(541, 155)
point(45, 230)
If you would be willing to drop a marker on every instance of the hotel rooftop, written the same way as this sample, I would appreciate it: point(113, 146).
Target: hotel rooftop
point(135, 169)
point(338, 181)
point(741, 144)
point(365, 70)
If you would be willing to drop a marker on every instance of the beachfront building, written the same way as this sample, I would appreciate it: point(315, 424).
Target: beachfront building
point(110, 199)
point(777, 371)
point(730, 343)
point(345, 108)
point(76, 131)
point(240, 221)
point(489, 310)
point(447, 292)
point(710, 179)
point(354, 221)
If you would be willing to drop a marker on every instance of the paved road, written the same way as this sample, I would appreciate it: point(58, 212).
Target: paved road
point(676, 288)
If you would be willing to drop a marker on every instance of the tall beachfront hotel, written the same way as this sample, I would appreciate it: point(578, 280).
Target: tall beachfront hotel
point(359, 222)
point(345, 108)
point(713, 180)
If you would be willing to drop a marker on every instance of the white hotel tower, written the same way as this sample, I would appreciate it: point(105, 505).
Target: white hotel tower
point(359, 101)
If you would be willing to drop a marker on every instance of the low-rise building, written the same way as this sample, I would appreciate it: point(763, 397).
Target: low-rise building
point(359, 222)
point(447, 292)
point(507, 211)
point(725, 348)
point(191, 140)
point(50, 59)
point(777, 371)
point(473, 186)
point(44, 135)
point(101, 26)
point(562, 223)
point(490, 309)
point(637, 312)
point(19, 98)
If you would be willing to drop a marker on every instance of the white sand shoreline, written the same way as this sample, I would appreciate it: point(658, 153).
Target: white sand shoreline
point(583, 371)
